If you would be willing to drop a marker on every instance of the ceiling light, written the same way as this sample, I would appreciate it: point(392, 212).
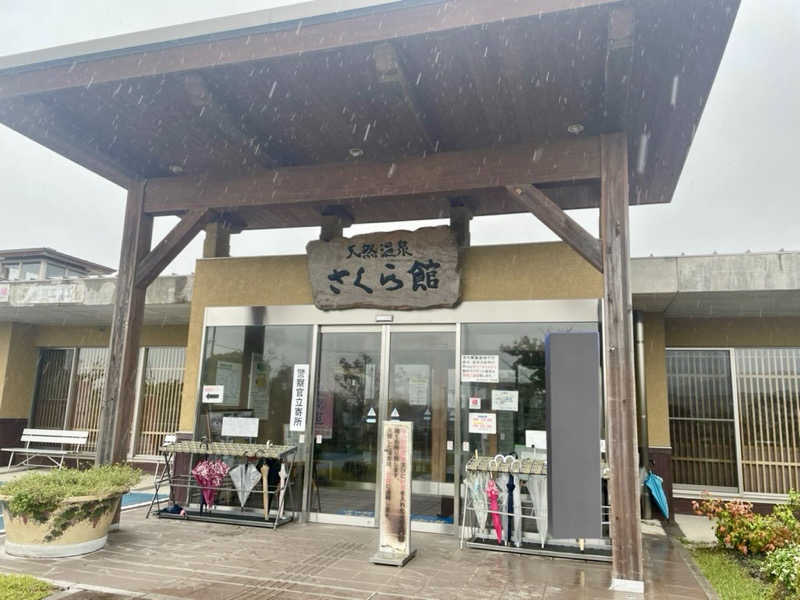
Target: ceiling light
point(575, 128)
point(356, 152)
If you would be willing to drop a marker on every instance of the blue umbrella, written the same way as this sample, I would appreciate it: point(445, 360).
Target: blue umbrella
point(654, 482)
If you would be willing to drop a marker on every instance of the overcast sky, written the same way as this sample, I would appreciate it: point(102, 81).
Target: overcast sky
point(737, 192)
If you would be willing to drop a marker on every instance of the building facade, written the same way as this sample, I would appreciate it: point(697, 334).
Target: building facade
point(720, 352)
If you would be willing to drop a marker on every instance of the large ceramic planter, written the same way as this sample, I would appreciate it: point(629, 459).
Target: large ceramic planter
point(78, 526)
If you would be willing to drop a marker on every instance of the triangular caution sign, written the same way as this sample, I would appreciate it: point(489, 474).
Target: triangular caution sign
point(395, 414)
point(371, 412)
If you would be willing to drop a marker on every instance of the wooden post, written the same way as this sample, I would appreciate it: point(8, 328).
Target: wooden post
point(620, 396)
point(116, 415)
point(217, 242)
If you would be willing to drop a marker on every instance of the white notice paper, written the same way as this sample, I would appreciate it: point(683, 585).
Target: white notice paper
point(474, 403)
point(505, 400)
point(213, 394)
point(297, 418)
point(239, 427)
point(480, 368)
point(483, 423)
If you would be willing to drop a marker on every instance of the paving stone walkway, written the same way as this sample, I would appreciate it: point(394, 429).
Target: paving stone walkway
point(165, 560)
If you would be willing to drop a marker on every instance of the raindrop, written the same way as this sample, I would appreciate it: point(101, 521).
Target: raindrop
point(272, 89)
point(392, 170)
point(116, 91)
point(366, 132)
point(674, 95)
point(419, 77)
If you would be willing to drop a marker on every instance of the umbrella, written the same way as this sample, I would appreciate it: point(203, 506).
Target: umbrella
point(284, 476)
point(476, 485)
point(654, 482)
point(537, 490)
point(502, 501)
point(244, 478)
point(209, 474)
point(492, 492)
point(517, 499)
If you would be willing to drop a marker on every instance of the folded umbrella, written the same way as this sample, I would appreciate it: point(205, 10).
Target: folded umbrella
point(244, 478)
point(654, 483)
point(209, 474)
point(492, 492)
point(284, 477)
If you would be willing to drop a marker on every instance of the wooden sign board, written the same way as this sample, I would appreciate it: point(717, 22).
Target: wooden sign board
point(394, 537)
point(397, 270)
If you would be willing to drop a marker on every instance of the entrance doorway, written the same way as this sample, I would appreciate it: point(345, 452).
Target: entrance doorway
point(367, 374)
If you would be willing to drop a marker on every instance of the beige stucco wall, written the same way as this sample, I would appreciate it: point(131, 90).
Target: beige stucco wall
point(55, 336)
point(753, 332)
point(19, 345)
point(17, 369)
point(510, 272)
point(656, 380)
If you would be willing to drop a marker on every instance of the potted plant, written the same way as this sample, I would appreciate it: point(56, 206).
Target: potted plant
point(64, 512)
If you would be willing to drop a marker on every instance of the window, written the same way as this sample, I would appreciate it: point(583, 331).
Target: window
point(255, 365)
point(73, 274)
point(702, 418)
point(30, 271)
point(10, 271)
point(521, 371)
point(55, 271)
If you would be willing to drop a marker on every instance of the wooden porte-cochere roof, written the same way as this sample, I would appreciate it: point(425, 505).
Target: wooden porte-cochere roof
point(504, 89)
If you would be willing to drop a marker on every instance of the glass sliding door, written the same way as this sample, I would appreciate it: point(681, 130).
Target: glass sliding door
point(346, 421)
point(422, 390)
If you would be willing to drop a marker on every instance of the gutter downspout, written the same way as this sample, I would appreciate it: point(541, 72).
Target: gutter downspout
point(641, 401)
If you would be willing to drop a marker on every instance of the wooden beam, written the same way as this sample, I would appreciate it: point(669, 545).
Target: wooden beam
point(323, 32)
point(569, 160)
point(618, 66)
point(116, 414)
point(621, 436)
point(38, 121)
point(394, 79)
point(559, 222)
point(216, 111)
point(173, 243)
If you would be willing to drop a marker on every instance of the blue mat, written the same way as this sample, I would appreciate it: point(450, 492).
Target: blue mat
point(128, 500)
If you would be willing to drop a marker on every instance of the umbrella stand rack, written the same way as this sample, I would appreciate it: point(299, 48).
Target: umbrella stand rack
point(273, 518)
point(532, 474)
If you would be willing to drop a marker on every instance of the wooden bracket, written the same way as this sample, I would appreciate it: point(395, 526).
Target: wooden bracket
point(334, 220)
point(167, 249)
point(569, 230)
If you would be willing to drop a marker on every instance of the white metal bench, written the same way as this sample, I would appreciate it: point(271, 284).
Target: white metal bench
point(73, 440)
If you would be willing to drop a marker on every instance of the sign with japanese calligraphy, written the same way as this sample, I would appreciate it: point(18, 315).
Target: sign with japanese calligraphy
point(297, 419)
point(480, 368)
point(394, 542)
point(398, 270)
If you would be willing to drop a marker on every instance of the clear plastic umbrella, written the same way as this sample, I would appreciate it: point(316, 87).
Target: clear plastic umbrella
point(476, 486)
point(537, 490)
point(244, 478)
point(284, 475)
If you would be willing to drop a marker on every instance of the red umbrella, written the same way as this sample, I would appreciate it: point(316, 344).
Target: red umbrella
point(209, 474)
point(492, 492)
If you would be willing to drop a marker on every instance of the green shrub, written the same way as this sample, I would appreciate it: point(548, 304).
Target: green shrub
point(783, 565)
point(36, 494)
point(739, 528)
point(23, 587)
